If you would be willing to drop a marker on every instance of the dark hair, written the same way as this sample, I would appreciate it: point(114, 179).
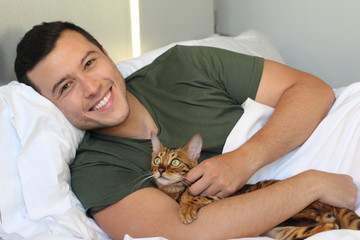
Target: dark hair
point(38, 42)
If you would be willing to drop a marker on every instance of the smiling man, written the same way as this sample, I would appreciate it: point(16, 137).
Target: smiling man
point(84, 78)
point(186, 90)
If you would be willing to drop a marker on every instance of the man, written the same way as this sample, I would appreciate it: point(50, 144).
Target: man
point(186, 90)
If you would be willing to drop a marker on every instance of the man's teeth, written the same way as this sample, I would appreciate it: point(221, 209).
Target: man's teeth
point(102, 102)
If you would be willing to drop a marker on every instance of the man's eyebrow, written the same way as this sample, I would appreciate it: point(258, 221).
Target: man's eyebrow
point(66, 77)
point(86, 55)
point(59, 83)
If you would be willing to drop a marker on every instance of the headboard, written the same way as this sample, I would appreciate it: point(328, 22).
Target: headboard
point(321, 37)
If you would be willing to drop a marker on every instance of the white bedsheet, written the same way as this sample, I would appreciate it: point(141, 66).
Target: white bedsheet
point(334, 146)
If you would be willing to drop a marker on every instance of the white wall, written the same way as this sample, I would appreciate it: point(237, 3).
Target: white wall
point(321, 37)
point(163, 22)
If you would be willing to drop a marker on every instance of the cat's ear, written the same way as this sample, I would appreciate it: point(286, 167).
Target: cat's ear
point(156, 144)
point(193, 148)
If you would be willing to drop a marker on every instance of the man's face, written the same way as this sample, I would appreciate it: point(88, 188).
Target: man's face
point(82, 82)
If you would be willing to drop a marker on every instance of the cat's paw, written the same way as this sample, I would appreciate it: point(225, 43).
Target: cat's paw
point(188, 214)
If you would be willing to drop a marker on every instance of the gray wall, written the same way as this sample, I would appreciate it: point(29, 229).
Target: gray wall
point(18, 16)
point(162, 22)
point(318, 36)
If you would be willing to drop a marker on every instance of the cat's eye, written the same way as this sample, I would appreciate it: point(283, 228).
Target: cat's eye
point(175, 163)
point(157, 161)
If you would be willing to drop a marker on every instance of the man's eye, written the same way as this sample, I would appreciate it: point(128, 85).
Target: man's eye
point(89, 63)
point(66, 86)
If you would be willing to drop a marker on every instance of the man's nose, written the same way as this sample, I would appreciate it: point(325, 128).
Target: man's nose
point(90, 86)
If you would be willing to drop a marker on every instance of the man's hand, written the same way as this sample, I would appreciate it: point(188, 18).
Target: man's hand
point(300, 100)
point(221, 175)
point(337, 190)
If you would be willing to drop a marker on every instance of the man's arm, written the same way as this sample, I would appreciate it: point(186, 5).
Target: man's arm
point(149, 212)
point(300, 100)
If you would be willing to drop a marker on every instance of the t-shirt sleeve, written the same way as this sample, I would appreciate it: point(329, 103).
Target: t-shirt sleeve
point(238, 74)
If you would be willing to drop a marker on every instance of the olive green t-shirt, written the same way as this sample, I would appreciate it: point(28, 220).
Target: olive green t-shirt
point(187, 90)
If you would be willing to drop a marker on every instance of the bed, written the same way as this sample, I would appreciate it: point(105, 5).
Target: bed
point(37, 201)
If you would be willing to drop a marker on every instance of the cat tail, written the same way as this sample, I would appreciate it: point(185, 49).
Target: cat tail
point(298, 233)
point(348, 219)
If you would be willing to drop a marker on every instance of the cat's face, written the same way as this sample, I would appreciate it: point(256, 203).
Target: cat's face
point(169, 166)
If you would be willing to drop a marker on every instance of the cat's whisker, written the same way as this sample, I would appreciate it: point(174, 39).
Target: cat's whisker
point(142, 179)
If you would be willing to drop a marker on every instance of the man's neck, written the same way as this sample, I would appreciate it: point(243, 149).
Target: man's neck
point(138, 125)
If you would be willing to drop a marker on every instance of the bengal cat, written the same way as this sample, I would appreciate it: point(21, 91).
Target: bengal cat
point(169, 167)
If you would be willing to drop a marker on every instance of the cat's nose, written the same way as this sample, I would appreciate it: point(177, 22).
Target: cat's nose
point(161, 170)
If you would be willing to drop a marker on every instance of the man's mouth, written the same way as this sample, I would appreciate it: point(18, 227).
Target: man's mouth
point(102, 102)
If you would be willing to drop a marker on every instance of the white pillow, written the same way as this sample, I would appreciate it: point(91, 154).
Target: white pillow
point(37, 143)
point(250, 42)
